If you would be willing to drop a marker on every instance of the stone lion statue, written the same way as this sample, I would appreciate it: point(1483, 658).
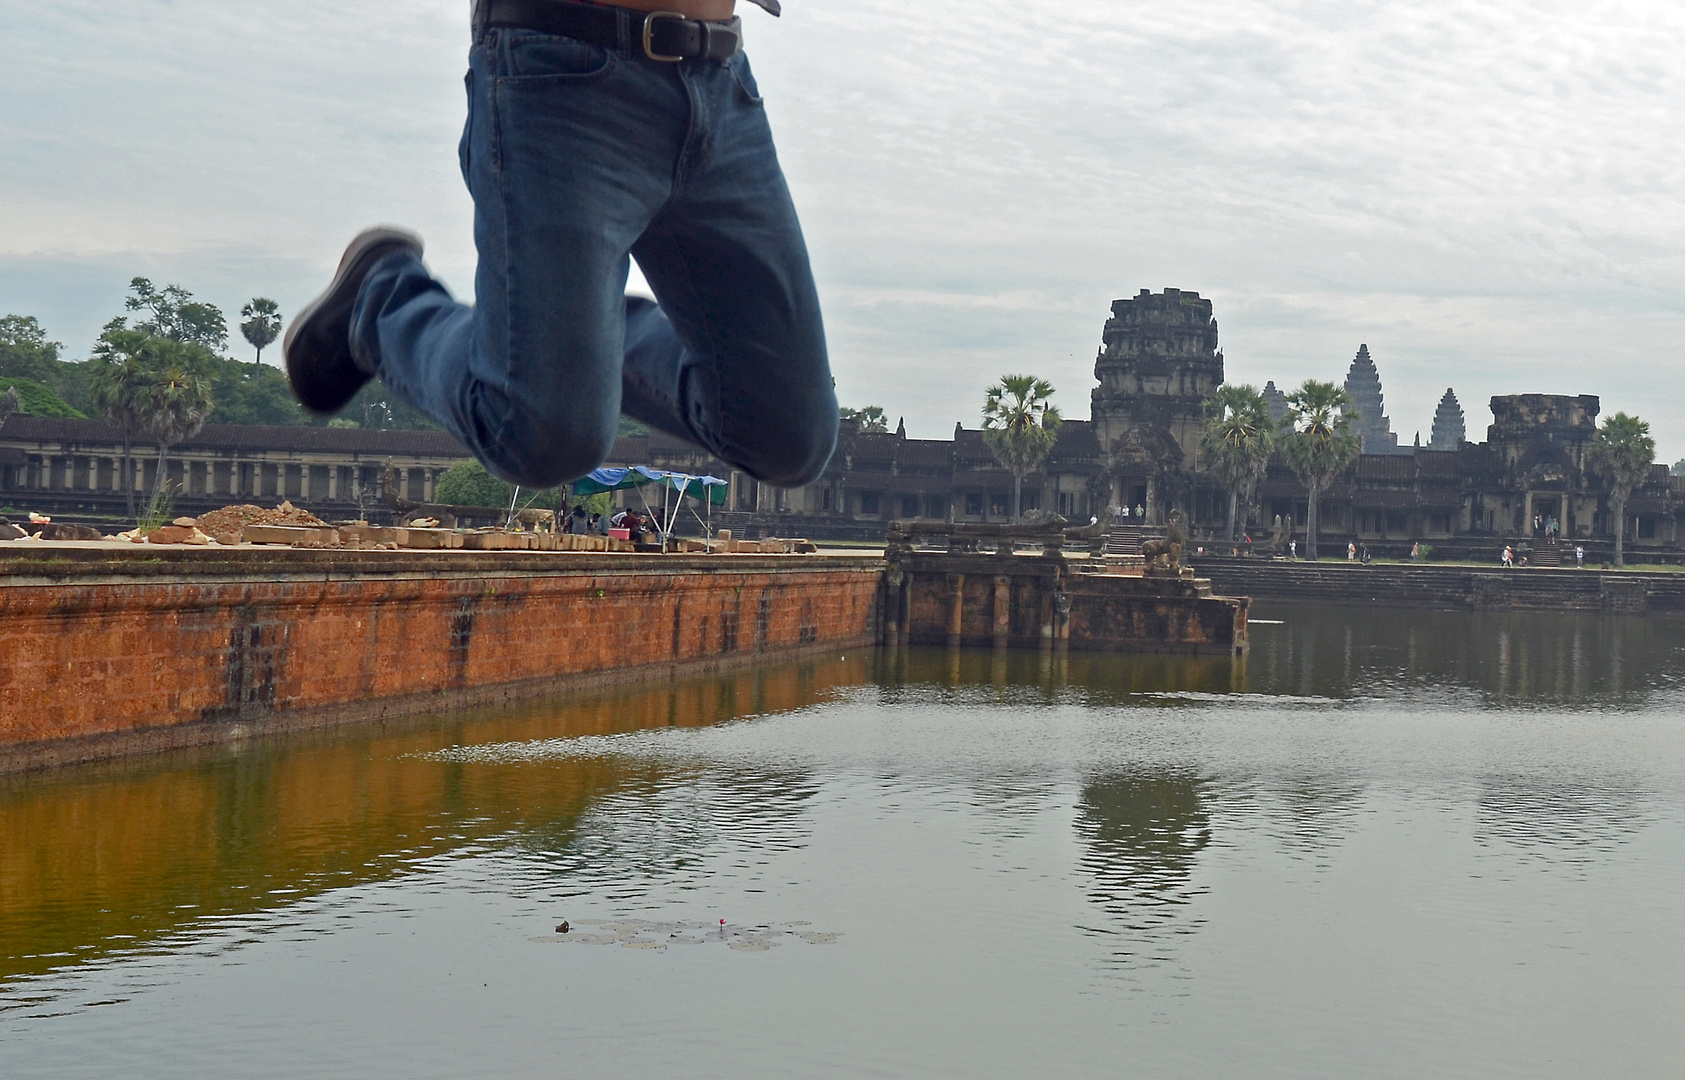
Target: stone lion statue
point(1166, 555)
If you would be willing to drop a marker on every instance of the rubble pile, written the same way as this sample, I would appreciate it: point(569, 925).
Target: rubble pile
point(224, 526)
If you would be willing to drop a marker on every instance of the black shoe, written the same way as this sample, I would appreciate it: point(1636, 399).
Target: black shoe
point(323, 374)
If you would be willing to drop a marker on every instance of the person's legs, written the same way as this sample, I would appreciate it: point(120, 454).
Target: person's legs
point(569, 151)
point(734, 358)
point(577, 156)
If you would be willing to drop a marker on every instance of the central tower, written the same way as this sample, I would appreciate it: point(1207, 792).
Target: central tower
point(1158, 365)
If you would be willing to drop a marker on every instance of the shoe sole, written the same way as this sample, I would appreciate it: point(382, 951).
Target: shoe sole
point(319, 365)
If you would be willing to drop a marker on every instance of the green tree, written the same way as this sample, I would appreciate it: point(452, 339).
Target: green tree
point(1679, 467)
point(261, 325)
point(1319, 442)
point(871, 418)
point(1020, 427)
point(25, 352)
point(177, 316)
point(467, 483)
point(36, 399)
point(173, 407)
point(123, 366)
point(1237, 440)
point(10, 403)
point(1622, 454)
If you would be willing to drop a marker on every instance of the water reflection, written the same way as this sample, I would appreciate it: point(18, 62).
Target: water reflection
point(1521, 658)
point(101, 861)
point(1318, 812)
point(1142, 833)
point(1148, 760)
point(1048, 677)
point(1560, 820)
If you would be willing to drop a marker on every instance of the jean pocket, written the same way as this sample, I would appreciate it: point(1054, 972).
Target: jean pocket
point(745, 79)
point(552, 58)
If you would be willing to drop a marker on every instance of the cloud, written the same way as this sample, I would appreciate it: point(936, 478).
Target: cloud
point(1485, 193)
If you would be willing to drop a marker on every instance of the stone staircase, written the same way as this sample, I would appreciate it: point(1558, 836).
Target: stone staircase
point(1124, 539)
point(1546, 554)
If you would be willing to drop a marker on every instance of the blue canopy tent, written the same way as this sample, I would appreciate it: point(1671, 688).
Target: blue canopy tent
point(713, 490)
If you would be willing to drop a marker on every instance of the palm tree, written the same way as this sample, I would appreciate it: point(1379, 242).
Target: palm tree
point(1237, 440)
point(118, 375)
point(1319, 442)
point(1020, 427)
point(262, 325)
point(173, 407)
point(1622, 452)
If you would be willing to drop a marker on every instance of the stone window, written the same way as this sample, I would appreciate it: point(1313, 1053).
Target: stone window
point(869, 503)
point(909, 506)
point(974, 504)
point(1000, 504)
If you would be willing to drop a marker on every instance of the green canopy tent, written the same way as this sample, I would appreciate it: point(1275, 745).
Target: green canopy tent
point(713, 490)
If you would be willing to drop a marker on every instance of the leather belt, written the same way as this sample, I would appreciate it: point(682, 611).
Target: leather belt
point(662, 35)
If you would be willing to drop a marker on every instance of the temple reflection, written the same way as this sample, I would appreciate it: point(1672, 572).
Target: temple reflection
point(1142, 833)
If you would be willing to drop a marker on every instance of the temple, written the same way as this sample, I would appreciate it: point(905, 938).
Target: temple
point(1374, 430)
point(1449, 432)
point(1158, 364)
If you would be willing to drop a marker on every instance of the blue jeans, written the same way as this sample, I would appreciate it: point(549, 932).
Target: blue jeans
point(578, 157)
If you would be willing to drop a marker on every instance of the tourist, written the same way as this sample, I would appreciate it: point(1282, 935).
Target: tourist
point(1292, 549)
point(1351, 552)
point(577, 521)
point(1579, 557)
point(668, 159)
point(1508, 557)
point(598, 525)
point(1416, 552)
point(1140, 512)
point(1366, 555)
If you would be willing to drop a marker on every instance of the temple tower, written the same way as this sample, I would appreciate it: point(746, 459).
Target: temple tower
point(1277, 400)
point(1157, 367)
point(1449, 431)
point(1363, 383)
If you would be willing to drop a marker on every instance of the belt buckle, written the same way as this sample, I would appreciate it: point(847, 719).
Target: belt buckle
point(649, 35)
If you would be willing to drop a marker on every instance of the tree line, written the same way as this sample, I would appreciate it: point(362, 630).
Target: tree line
point(159, 374)
point(168, 327)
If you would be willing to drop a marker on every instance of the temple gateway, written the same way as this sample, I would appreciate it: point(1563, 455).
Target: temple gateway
point(1157, 365)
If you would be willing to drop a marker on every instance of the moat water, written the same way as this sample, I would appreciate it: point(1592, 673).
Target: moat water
point(1387, 844)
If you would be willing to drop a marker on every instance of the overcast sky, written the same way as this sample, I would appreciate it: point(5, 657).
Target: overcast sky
point(1491, 195)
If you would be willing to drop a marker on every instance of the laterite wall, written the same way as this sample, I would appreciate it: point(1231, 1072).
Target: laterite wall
point(181, 646)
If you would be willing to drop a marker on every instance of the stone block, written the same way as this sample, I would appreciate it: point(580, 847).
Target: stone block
point(430, 539)
point(293, 535)
point(368, 535)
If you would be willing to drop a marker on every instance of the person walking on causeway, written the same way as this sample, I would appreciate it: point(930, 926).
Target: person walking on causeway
point(598, 133)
